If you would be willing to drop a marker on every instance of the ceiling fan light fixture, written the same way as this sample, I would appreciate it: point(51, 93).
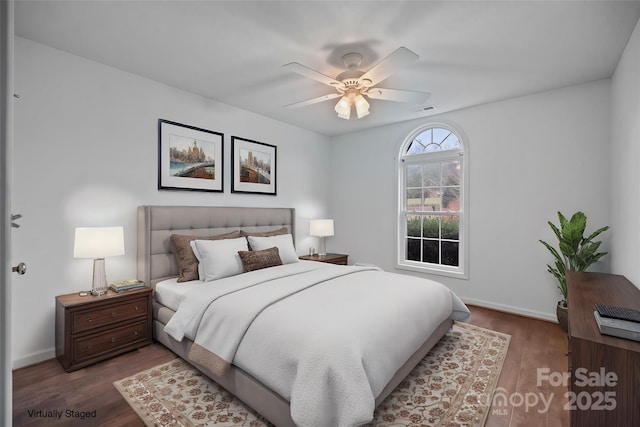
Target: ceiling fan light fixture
point(353, 97)
point(362, 106)
point(353, 83)
point(343, 108)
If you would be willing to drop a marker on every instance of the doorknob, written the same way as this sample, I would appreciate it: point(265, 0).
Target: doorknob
point(20, 268)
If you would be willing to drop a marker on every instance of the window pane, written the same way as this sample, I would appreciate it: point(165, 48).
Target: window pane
point(451, 143)
point(430, 251)
point(440, 135)
point(413, 249)
point(426, 137)
point(451, 199)
point(432, 199)
point(431, 175)
point(414, 200)
point(431, 226)
point(413, 225)
point(415, 148)
point(450, 253)
point(451, 173)
point(451, 228)
point(414, 175)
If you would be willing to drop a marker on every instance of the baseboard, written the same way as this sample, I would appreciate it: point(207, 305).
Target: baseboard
point(551, 317)
point(33, 358)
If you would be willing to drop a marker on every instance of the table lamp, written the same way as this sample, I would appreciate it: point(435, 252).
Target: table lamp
point(98, 243)
point(321, 228)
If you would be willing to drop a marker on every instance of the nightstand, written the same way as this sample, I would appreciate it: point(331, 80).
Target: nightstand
point(340, 259)
point(91, 329)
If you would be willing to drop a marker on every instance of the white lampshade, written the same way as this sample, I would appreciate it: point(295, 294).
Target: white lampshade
point(321, 227)
point(98, 243)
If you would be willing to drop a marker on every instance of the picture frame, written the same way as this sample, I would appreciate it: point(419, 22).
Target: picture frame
point(189, 158)
point(253, 167)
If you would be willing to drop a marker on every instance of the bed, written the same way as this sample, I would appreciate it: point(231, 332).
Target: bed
point(256, 369)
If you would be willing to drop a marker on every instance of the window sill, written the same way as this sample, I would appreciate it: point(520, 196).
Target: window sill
point(433, 270)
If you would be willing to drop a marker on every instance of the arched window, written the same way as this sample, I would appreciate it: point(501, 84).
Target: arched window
point(432, 226)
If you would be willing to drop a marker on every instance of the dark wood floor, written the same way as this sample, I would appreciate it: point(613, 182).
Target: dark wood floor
point(535, 344)
point(46, 387)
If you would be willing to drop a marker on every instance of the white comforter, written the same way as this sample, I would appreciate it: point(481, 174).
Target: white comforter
point(326, 338)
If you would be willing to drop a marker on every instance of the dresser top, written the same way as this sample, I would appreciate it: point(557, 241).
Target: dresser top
point(585, 290)
point(75, 299)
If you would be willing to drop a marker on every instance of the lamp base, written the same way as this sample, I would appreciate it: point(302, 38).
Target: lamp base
point(99, 286)
point(322, 249)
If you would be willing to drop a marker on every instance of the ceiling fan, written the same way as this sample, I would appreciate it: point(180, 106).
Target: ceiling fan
point(353, 85)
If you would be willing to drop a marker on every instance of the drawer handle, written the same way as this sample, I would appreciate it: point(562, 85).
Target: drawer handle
point(135, 333)
point(136, 308)
point(113, 340)
point(89, 319)
point(113, 314)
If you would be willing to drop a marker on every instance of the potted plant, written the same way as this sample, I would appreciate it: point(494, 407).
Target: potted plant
point(576, 253)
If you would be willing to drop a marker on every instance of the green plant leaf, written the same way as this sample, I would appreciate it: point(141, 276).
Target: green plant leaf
point(575, 251)
point(597, 233)
point(555, 230)
point(573, 231)
point(552, 250)
point(562, 219)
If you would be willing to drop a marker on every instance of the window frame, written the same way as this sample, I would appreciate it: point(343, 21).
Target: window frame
point(462, 270)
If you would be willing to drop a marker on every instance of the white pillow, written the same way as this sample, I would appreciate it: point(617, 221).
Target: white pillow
point(219, 258)
point(284, 243)
point(200, 263)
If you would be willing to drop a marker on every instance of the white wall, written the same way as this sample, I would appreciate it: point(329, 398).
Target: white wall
point(86, 147)
point(625, 173)
point(86, 155)
point(528, 157)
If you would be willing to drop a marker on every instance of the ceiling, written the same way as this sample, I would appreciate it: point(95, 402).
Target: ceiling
point(470, 52)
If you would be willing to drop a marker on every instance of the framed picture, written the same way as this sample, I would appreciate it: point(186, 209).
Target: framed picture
point(189, 158)
point(253, 168)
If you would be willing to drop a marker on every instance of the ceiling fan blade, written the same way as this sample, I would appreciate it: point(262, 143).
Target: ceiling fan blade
point(312, 74)
point(397, 95)
point(312, 101)
point(400, 58)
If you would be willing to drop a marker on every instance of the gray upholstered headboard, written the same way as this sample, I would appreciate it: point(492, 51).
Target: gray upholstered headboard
point(156, 261)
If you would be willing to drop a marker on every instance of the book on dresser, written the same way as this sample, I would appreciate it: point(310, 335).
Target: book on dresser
point(618, 321)
point(617, 327)
point(126, 285)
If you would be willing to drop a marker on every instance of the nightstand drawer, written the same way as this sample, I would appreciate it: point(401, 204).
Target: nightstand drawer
point(95, 345)
point(95, 318)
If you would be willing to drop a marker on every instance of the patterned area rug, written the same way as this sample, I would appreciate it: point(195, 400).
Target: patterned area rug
point(452, 386)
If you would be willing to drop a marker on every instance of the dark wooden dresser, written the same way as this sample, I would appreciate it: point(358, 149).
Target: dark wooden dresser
point(90, 329)
point(593, 399)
